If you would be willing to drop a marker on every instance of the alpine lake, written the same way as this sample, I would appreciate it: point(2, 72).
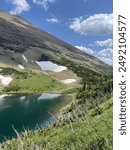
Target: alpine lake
point(19, 112)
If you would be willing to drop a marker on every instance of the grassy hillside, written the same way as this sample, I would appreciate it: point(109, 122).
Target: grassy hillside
point(28, 81)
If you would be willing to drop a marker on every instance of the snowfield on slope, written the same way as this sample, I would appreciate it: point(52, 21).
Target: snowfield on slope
point(5, 80)
point(49, 66)
point(21, 67)
point(68, 81)
point(25, 58)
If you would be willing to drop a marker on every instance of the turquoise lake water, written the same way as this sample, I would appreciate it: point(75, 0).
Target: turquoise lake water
point(26, 111)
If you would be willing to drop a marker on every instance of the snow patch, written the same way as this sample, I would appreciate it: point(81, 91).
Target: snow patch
point(21, 67)
point(48, 65)
point(24, 58)
point(68, 81)
point(5, 80)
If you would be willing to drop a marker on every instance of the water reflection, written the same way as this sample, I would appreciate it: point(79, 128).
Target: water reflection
point(28, 111)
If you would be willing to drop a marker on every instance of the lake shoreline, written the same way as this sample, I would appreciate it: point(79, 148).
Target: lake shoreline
point(30, 92)
point(39, 102)
point(70, 99)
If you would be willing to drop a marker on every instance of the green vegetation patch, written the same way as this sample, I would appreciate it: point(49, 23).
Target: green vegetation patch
point(34, 82)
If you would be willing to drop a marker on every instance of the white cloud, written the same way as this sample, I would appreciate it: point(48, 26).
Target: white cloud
point(86, 50)
point(20, 6)
point(97, 24)
point(44, 3)
point(53, 20)
point(105, 55)
point(105, 52)
point(106, 43)
point(108, 61)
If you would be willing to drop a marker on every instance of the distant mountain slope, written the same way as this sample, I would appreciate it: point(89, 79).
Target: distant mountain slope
point(23, 43)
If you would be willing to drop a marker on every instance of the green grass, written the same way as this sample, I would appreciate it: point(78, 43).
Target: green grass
point(78, 129)
point(9, 71)
point(33, 82)
point(28, 81)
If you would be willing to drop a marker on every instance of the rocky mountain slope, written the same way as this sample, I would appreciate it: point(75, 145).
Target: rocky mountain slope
point(23, 43)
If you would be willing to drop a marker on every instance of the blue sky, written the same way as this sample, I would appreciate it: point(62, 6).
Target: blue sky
point(86, 24)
